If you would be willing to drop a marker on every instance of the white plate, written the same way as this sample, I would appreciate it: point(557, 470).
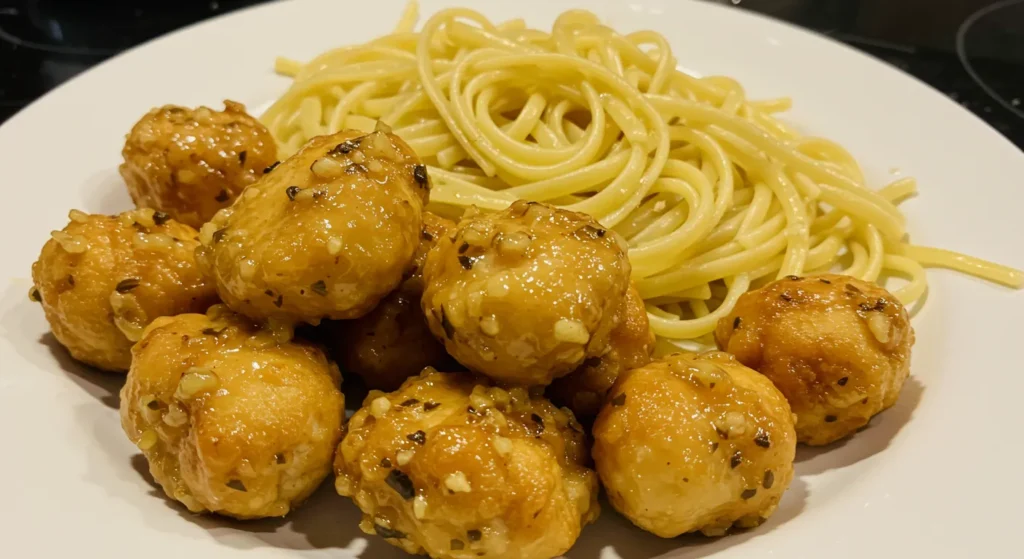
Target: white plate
point(936, 476)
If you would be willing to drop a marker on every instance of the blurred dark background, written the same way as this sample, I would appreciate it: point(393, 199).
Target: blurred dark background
point(970, 50)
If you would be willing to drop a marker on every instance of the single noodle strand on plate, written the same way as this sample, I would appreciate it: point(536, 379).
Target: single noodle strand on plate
point(713, 193)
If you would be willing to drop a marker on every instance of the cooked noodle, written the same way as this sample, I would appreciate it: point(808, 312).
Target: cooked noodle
point(713, 194)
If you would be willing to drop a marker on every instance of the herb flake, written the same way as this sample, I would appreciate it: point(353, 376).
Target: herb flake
point(419, 437)
point(401, 483)
point(126, 285)
point(387, 533)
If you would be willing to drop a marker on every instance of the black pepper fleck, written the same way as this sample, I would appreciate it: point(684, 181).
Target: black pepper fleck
point(271, 167)
point(409, 402)
point(724, 435)
point(218, 235)
point(222, 196)
point(160, 218)
point(345, 147)
point(830, 419)
point(153, 404)
point(385, 463)
point(71, 280)
point(269, 293)
point(474, 535)
point(786, 296)
point(126, 285)
point(852, 288)
point(466, 261)
point(592, 232)
point(619, 400)
point(387, 533)
point(291, 191)
point(736, 459)
point(426, 236)
point(748, 493)
point(446, 325)
point(463, 248)
point(538, 420)
point(736, 322)
point(762, 440)
point(419, 173)
point(471, 410)
point(319, 287)
point(431, 406)
point(237, 485)
point(419, 437)
point(279, 301)
point(401, 483)
point(769, 479)
point(242, 156)
point(279, 458)
point(843, 381)
point(825, 281)
point(714, 446)
point(34, 295)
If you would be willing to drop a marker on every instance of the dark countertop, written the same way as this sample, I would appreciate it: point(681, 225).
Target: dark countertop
point(971, 50)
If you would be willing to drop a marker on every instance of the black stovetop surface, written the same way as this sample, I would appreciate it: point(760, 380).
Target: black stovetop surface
point(971, 50)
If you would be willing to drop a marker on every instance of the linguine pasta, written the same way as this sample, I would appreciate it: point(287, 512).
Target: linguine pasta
point(713, 194)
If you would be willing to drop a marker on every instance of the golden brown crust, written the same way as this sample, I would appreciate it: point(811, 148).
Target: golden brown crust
point(326, 234)
point(694, 442)
point(190, 163)
point(101, 279)
point(231, 421)
point(393, 342)
point(838, 348)
point(525, 295)
point(630, 345)
point(454, 467)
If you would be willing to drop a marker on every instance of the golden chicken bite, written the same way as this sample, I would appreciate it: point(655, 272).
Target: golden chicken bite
point(694, 442)
point(629, 346)
point(191, 163)
point(456, 468)
point(393, 342)
point(102, 279)
point(525, 295)
point(326, 234)
point(230, 420)
point(837, 347)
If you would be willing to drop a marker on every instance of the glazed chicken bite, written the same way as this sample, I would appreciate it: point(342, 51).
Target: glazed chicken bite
point(629, 346)
point(525, 295)
point(102, 279)
point(326, 234)
point(230, 420)
point(838, 348)
point(393, 342)
point(694, 442)
point(456, 468)
point(190, 163)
